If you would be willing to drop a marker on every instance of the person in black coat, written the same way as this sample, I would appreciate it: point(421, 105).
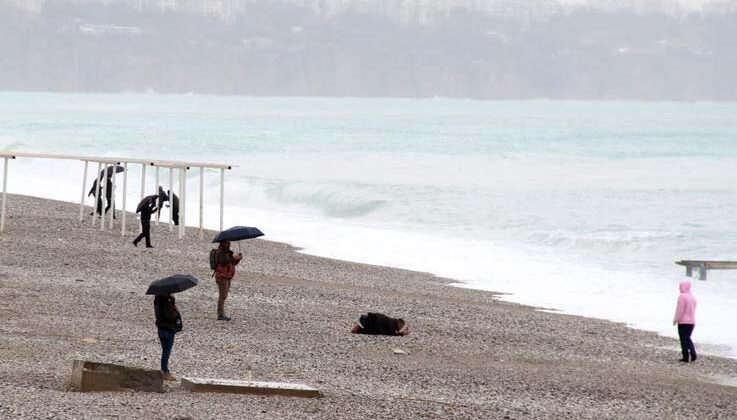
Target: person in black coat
point(376, 323)
point(146, 207)
point(175, 208)
point(168, 322)
point(173, 200)
point(108, 196)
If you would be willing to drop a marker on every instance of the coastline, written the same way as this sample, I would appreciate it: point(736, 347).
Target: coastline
point(470, 355)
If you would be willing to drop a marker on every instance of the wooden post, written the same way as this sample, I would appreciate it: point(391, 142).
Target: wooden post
point(689, 271)
point(171, 199)
point(84, 189)
point(5, 190)
point(103, 193)
point(97, 193)
point(202, 201)
point(112, 196)
point(222, 196)
point(125, 195)
point(156, 191)
point(702, 271)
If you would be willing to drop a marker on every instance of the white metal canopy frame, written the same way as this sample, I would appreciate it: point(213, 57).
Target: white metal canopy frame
point(107, 163)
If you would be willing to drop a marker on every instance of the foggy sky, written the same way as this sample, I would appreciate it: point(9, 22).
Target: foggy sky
point(502, 49)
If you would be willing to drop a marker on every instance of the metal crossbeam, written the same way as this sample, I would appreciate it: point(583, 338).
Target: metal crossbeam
point(109, 161)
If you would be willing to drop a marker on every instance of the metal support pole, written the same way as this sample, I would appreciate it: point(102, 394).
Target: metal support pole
point(84, 190)
point(202, 201)
point(143, 180)
point(103, 193)
point(171, 199)
point(156, 191)
point(143, 185)
point(181, 203)
point(125, 194)
point(5, 190)
point(222, 196)
point(112, 196)
point(97, 193)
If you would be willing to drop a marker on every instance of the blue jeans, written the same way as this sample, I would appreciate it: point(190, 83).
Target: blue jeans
point(167, 342)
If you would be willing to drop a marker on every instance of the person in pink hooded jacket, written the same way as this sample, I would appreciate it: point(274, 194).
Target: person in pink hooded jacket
point(685, 318)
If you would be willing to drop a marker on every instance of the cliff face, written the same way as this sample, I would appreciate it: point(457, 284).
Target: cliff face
point(293, 48)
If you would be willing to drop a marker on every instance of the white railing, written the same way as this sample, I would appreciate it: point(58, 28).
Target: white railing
point(107, 163)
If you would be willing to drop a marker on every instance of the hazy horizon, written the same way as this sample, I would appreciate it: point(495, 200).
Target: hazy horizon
point(500, 49)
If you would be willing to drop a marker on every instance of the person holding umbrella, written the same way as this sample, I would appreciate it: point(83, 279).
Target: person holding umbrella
point(225, 264)
point(167, 314)
point(108, 196)
point(108, 175)
point(146, 207)
point(168, 319)
point(223, 261)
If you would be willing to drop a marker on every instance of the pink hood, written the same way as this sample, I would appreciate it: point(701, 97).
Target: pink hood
point(686, 306)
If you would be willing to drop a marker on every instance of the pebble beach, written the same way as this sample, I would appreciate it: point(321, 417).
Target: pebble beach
point(71, 291)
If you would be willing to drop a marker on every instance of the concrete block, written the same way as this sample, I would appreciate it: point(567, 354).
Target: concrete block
point(229, 386)
point(92, 376)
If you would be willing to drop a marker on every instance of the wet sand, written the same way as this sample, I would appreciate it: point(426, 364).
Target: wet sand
point(469, 355)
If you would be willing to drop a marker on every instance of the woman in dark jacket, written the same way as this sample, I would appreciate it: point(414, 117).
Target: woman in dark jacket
point(169, 323)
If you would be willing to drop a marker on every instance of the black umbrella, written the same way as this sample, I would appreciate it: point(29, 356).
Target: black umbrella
point(109, 171)
point(238, 233)
point(148, 200)
point(172, 284)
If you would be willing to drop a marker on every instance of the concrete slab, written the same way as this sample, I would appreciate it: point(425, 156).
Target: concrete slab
point(92, 376)
point(230, 386)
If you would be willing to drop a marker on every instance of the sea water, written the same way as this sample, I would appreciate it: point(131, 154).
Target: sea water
point(580, 207)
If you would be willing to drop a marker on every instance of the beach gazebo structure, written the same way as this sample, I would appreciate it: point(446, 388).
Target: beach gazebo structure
point(107, 163)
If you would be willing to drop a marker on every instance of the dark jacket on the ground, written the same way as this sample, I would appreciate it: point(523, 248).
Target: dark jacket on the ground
point(166, 313)
point(376, 323)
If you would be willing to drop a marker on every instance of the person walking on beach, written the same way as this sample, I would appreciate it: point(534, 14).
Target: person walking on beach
point(225, 262)
point(686, 320)
point(146, 207)
point(168, 321)
point(108, 197)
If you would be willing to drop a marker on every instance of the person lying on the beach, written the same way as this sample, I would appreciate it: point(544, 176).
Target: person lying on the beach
point(376, 323)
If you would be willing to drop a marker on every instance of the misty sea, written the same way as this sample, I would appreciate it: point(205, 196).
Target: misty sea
point(579, 207)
